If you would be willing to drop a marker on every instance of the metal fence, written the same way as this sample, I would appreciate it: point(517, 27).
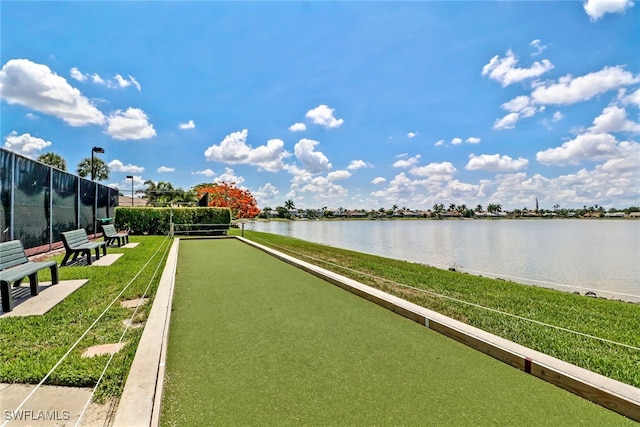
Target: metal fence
point(38, 202)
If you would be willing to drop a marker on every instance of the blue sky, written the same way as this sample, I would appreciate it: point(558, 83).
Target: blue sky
point(336, 104)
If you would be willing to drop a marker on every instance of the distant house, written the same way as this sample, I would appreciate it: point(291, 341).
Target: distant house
point(356, 214)
point(614, 215)
point(634, 214)
point(125, 201)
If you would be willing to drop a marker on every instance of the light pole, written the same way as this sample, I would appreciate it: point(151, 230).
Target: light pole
point(131, 178)
point(93, 169)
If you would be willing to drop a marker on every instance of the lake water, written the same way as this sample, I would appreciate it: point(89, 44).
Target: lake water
point(602, 256)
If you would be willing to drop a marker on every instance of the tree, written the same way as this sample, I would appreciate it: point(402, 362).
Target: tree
point(53, 159)
point(100, 167)
point(479, 208)
point(289, 205)
point(223, 194)
point(162, 193)
point(494, 208)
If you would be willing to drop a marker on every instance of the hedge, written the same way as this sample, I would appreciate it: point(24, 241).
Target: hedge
point(157, 221)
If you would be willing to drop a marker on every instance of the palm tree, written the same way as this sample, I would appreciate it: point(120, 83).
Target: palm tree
point(53, 159)
point(99, 166)
point(479, 208)
point(494, 208)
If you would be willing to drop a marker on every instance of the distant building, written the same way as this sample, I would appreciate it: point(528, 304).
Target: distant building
point(125, 201)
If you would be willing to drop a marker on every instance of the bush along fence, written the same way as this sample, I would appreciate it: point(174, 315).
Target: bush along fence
point(38, 202)
point(162, 221)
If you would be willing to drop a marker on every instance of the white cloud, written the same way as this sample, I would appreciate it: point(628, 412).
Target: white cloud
point(324, 188)
point(588, 146)
point(206, 172)
point(378, 180)
point(122, 82)
point(25, 144)
point(130, 124)
point(570, 90)
point(411, 161)
point(633, 98)
point(411, 135)
point(504, 70)
point(442, 170)
point(456, 141)
point(313, 161)
point(35, 86)
point(357, 164)
point(400, 189)
point(613, 119)
point(340, 174)
point(230, 177)
point(519, 107)
point(97, 79)
point(266, 194)
point(439, 143)
point(188, 125)
point(496, 163)
point(297, 127)
point(165, 169)
point(77, 75)
point(323, 115)
point(234, 150)
point(507, 122)
point(538, 46)
point(473, 140)
point(596, 9)
point(557, 116)
point(118, 166)
point(520, 104)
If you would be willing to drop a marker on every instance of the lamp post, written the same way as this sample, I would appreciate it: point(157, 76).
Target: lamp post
point(131, 178)
point(95, 195)
point(93, 169)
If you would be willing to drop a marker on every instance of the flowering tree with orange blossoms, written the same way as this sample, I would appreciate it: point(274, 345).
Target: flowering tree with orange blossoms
point(223, 194)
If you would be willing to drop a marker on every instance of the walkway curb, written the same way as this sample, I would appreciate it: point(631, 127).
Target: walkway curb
point(611, 394)
point(140, 401)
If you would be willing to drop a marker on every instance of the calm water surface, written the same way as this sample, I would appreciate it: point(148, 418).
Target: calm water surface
point(573, 255)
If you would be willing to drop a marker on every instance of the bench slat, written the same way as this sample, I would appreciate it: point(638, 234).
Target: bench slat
point(15, 266)
point(77, 242)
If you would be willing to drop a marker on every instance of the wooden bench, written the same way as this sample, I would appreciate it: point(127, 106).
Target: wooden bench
point(111, 235)
point(15, 266)
point(77, 242)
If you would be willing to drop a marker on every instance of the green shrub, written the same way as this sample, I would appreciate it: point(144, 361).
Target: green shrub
point(157, 221)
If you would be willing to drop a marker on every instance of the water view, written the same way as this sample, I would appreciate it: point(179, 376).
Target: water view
point(600, 256)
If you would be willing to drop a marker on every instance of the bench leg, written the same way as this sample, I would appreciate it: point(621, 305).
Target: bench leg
point(7, 299)
point(104, 249)
point(54, 274)
point(97, 253)
point(88, 255)
point(65, 259)
point(33, 284)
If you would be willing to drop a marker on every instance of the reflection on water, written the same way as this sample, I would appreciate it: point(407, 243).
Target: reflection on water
point(574, 255)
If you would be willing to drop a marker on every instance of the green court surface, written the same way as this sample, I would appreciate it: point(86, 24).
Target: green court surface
point(256, 341)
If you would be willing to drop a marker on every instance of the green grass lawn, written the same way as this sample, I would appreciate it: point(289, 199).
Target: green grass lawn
point(31, 346)
point(255, 341)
